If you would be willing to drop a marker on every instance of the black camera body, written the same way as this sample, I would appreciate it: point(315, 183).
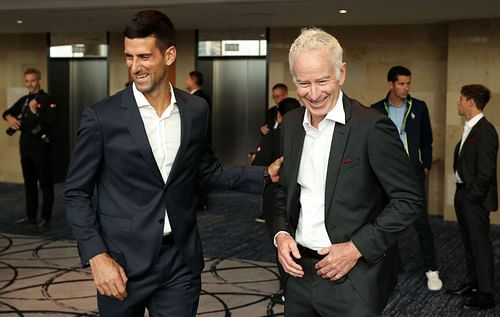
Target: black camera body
point(10, 131)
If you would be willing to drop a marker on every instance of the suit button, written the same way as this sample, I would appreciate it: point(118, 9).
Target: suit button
point(161, 221)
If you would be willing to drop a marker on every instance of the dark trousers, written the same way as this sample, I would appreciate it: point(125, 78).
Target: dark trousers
point(169, 289)
point(424, 233)
point(37, 168)
point(313, 296)
point(474, 223)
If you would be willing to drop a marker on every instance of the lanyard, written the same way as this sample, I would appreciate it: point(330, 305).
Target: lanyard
point(405, 117)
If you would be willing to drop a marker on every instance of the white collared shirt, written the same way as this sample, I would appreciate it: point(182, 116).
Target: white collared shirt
point(164, 136)
point(311, 231)
point(467, 128)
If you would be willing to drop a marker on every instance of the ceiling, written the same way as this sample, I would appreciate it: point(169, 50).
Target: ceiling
point(110, 15)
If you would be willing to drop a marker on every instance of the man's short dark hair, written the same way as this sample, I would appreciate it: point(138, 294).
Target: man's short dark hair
point(288, 104)
point(197, 77)
point(34, 71)
point(151, 22)
point(479, 93)
point(396, 71)
point(280, 86)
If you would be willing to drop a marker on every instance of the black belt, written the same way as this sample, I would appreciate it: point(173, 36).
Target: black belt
point(308, 253)
point(167, 239)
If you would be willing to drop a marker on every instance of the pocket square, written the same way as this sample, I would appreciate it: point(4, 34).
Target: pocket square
point(470, 141)
point(346, 161)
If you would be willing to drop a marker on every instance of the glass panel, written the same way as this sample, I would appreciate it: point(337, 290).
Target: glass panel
point(78, 45)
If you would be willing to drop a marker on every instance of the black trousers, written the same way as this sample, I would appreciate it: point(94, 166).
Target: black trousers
point(37, 169)
point(169, 289)
point(474, 223)
point(313, 296)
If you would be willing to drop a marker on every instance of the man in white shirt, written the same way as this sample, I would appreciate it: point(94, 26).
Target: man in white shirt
point(475, 166)
point(347, 191)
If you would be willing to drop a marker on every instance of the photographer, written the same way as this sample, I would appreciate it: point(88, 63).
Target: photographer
point(34, 115)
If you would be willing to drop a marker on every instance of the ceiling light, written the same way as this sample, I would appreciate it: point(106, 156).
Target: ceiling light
point(19, 21)
point(342, 11)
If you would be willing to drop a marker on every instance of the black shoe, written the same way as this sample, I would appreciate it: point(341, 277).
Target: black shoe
point(43, 224)
point(480, 301)
point(26, 221)
point(260, 219)
point(278, 298)
point(462, 290)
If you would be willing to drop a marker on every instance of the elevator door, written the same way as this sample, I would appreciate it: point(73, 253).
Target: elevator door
point(75, 83)
point(238, 90)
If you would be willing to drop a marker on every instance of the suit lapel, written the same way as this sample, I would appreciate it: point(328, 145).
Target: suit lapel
point(296, 140)
point(470, 137)
point(186, 121)
point(136, 128)
point(337, 149)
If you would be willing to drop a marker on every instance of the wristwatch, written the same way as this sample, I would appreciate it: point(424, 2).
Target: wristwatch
point(267, 177)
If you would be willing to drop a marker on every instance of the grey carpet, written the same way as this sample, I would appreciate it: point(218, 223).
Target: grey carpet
point(228, 230)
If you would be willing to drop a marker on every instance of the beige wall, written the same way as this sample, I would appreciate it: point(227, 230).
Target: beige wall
point(17, 53)
point(473, 58)
point(369, 52)
point(442, 57)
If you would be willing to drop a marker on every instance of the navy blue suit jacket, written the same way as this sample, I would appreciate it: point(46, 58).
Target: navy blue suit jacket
point(113, 155)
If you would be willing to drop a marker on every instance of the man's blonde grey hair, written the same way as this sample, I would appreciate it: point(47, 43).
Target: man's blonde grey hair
point(316, 38)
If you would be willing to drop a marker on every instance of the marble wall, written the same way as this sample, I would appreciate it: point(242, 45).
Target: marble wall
point(17, 53)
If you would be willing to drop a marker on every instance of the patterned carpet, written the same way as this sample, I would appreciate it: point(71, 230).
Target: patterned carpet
point(239, 277)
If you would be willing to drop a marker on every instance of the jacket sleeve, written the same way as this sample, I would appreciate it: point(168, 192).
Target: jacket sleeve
point(486, 162)
point(79, 187)
point(395, 173)
point(426, 139)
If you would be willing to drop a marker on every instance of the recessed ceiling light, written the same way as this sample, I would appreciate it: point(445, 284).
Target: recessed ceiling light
point(342, 11)
point(19, 21)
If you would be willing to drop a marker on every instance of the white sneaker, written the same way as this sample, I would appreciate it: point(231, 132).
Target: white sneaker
point(433, 281)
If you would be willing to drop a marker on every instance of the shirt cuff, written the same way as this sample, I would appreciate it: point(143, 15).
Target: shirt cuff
point(276, 235)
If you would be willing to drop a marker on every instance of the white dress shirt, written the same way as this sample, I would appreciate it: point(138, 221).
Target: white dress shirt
point(311, 231)
point(164, 136)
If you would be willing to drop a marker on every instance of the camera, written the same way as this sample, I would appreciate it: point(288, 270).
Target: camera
point(37, 131)
point(10, 131)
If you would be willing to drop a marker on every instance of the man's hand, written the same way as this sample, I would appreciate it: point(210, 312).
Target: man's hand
point(33, 106)
point(264, 129)
point(339, 260)
point(274, 169)
point(286, 246)
point(109, 276)
point(13, 122)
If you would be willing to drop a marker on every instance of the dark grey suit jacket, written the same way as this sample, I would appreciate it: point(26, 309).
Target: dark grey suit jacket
point(113, 154)
point(372, 194)
point(477, 165)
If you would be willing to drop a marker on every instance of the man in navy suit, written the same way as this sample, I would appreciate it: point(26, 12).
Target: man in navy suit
point(475, 166)
point(145, 150)
point(411, 118)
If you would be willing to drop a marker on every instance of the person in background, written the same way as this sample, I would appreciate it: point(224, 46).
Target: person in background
point(346, 194)
point(475, 166)
point(142, 152)
point(411, 118)
point(279, 92)
point(35, 116)
point(266, 153)
point(194, 84)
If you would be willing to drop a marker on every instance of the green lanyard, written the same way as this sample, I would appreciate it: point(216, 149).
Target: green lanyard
point(403, 124)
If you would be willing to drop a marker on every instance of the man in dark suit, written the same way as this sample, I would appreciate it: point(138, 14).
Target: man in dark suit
point(194, 84)
point(347, 191)
point(475, 166)
point(144, 150)
point(411, 117)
